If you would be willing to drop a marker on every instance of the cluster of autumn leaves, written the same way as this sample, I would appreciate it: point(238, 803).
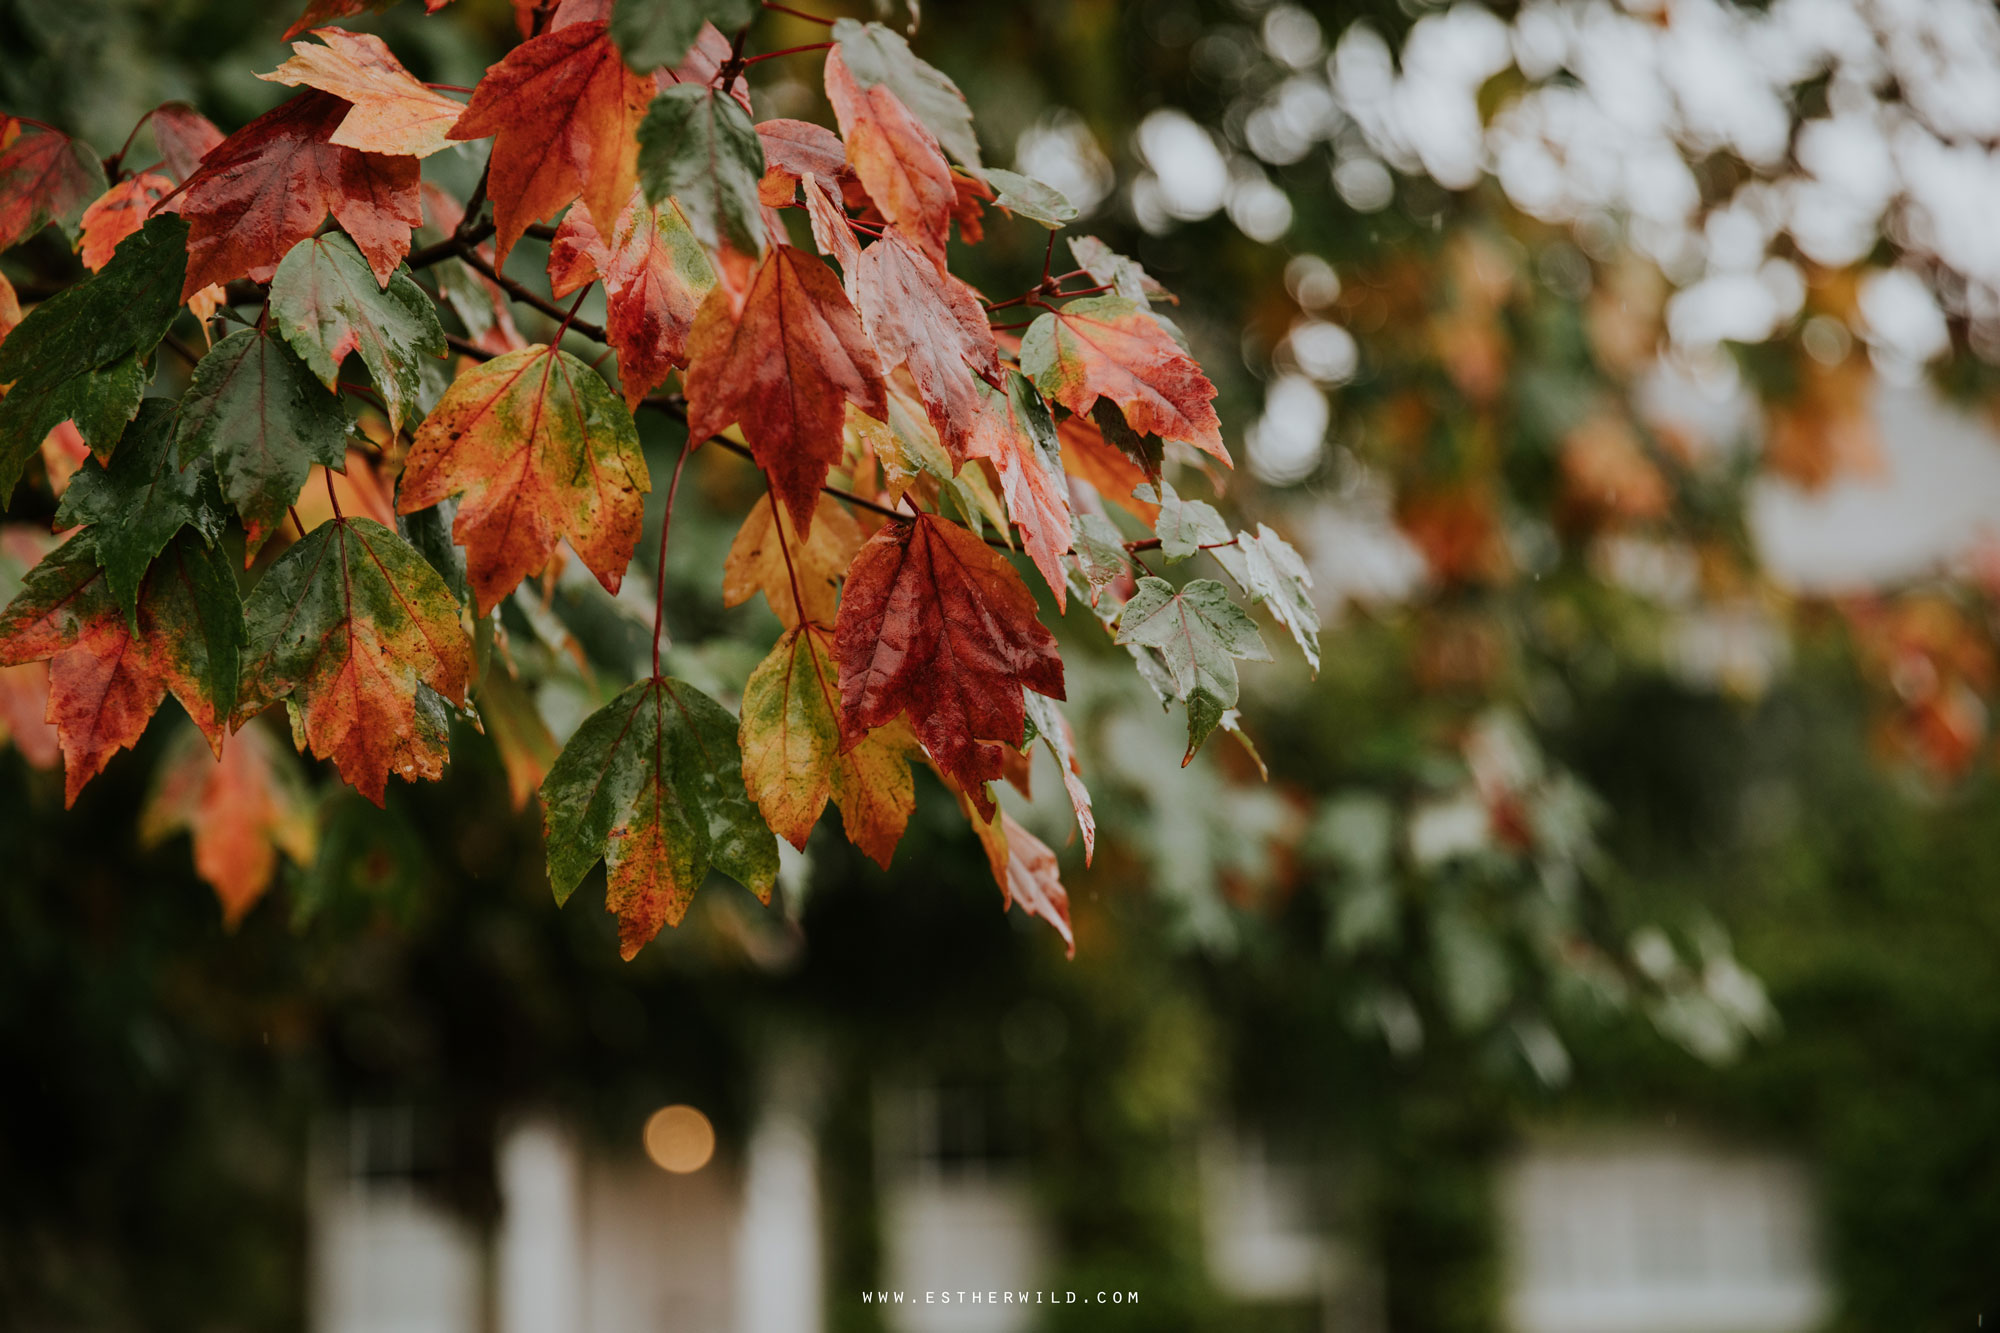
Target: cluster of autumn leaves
point(877, 400)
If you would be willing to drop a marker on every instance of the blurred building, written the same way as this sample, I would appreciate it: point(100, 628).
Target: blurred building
point(1652, 1233)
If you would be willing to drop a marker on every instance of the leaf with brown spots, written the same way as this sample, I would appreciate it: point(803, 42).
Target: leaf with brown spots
point(351, 628)
point(542, 450)
point(934, 325)
point(794, 760)
point(652, 785)
point(107, 674)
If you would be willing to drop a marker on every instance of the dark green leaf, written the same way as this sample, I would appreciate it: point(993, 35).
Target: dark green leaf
point(256, 411)
point(652, 784)
point(137, 502)
point(76, 357)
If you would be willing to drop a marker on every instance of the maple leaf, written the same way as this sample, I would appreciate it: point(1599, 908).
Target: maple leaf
point(183, 136)
point(932, 324)
point(77, 356)
point(349, 627)
point(763, 560)
point(699, 147)
point(44, 177)
point(1025, 197)
point(795, 149)
point(652, 784)
point(1023, 449)
point(561, 109)
point(541, 450)
point(653, 33)
point(1108, 347)
point(328, 303)
point(108, 677)
point(784, 370)
point(1108, 268)
point(268, 186)
point(655, 275)
point(242, 808)
point(1024, 867)
point(1269, 570)
point(138, 501)
point(876, 55)
point(255, 409)
point(117, 213)
point(897, 159)
point(1184, 526)
point(1199, 633)
point(1088, 456)
point(320, 11)
point(392, 112)
point(794, 759)
point(935, 624)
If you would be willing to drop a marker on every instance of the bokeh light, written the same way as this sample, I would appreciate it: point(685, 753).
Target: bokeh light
point(679, 1139)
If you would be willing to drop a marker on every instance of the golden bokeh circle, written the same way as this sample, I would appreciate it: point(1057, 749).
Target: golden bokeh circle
point(679, 1139)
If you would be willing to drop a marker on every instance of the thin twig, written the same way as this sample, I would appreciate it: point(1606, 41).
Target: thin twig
point(797, 14)
point(660, 574)
point(529, 298)
point(788, 51)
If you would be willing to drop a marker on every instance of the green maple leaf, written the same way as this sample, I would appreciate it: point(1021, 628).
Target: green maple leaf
point(1269, 570)
point(1184, 526)
point(327, 304)
point(351, 628)
point(77, 356)
point(652, 784)
point(652, 33)
point(699, 146)
point(256, 410)
point(1199, 634)
point(137, 502)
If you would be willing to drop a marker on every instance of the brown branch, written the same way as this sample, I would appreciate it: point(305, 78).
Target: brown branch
point(527, 297)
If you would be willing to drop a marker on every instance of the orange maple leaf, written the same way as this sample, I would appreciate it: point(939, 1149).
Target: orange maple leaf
point(563, 112)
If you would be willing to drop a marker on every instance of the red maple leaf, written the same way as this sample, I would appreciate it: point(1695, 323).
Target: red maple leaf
point(932, 323)
point(44, 177)
point(655, 275)
point(784, 370)
point(269, 186)
point(897, 159)
point(1109, 347)
point(934, 623)
point(563, 112)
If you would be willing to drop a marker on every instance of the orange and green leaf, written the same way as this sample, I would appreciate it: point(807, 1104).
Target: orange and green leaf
point(542, 451)
point(361, 638)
